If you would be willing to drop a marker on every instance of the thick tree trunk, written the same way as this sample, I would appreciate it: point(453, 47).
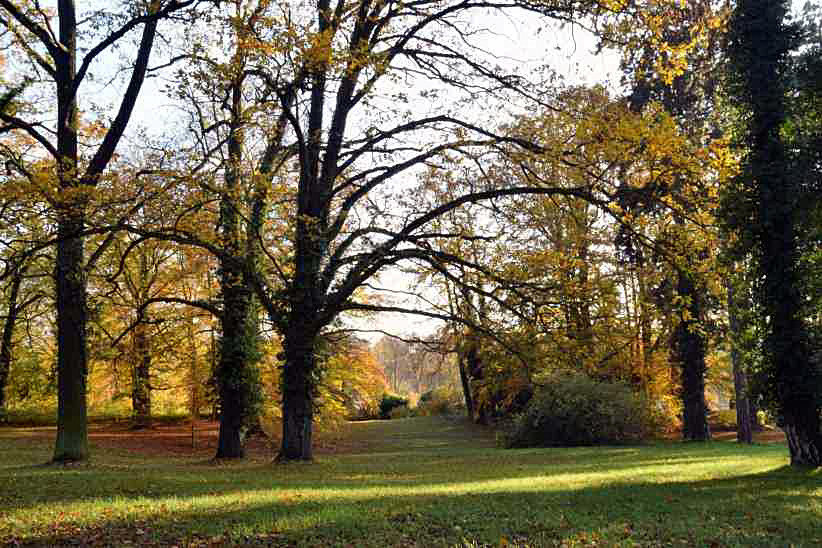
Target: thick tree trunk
point(743, 407)
point(141, 381)
point(72, 429)
point(69, 271)
point(8, 338)
point(236, 379)
point(235, 358)
point(689, 349)
point(804, 447)
point(776, 186)
point(798, 380)
point(298, 395)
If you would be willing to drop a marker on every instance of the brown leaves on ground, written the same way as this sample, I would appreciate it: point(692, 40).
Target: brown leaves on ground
point(177, 440)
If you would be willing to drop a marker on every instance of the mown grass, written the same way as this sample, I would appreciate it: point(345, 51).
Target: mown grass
point(416, 482)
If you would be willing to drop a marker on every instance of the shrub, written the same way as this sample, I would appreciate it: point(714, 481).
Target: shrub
point(401, 412)
point(440, 401)
point(365, 411)
point(724, 419)
point(573, 409)
point(389, 402)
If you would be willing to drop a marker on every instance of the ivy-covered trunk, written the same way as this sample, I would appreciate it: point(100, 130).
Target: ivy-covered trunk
point(141, 381)
point(689, 351)
point(787, 343)
point(744, 432)
point(237, 376)
point(236, 370)
point(760, 43)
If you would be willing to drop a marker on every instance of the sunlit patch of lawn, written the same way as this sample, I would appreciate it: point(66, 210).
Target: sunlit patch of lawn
point(417, 482)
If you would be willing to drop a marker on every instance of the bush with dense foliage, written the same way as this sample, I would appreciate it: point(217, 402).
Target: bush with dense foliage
point(401, 412)
point(440, 401)
point(572, 409)
point(390, 401)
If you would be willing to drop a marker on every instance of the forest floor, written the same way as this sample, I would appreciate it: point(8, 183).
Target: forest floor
point(411, 482)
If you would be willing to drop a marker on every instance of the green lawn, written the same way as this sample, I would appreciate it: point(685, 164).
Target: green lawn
point(416, 482)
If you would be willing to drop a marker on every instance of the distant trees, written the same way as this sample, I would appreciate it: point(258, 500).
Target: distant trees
point(413, 366)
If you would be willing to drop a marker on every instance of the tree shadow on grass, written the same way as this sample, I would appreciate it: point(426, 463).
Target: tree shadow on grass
point(779, 507)
point(67, 485)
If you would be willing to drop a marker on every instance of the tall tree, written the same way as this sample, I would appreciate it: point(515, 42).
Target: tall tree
point(742, 405)
point(690, 98)
point(53, 58)
point(357, 141)
point(759, 47)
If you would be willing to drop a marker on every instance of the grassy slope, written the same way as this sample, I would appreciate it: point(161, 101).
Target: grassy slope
point(417, 482)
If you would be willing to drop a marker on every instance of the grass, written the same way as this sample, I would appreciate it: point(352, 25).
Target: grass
point(416, 482)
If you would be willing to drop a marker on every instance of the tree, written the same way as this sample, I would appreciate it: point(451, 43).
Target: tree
point(742, 404)
point(355, 144)
point(690, 97)
point(52, 58)
point(237, 131)
point(132, 275)
point(770, 188)
point(16, 305)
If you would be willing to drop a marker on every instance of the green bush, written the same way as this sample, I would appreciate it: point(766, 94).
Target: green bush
point(440, 401)
point(724, 419)
point(401, 412)
point(573, 409)
point(389, 402)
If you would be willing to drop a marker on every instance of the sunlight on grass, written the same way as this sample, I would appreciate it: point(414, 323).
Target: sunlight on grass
point(458, 493)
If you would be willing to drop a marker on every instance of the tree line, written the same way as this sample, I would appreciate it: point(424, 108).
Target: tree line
point(313, 148)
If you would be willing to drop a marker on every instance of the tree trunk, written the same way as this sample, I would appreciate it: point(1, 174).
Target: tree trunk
point(232, 370)
point(743, 408)
point(72, 428)
point(645, 331)
point(804, 447)
point(772, 179)
point(689, 349)
point(141, 385)
point(298, 395)
point(8, 338)
point(466, 387)
point(69, 271)
point(475, 373)
point(236, 379)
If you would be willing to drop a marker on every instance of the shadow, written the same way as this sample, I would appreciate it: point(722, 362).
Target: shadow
point(433, 483)
point(769, 508)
